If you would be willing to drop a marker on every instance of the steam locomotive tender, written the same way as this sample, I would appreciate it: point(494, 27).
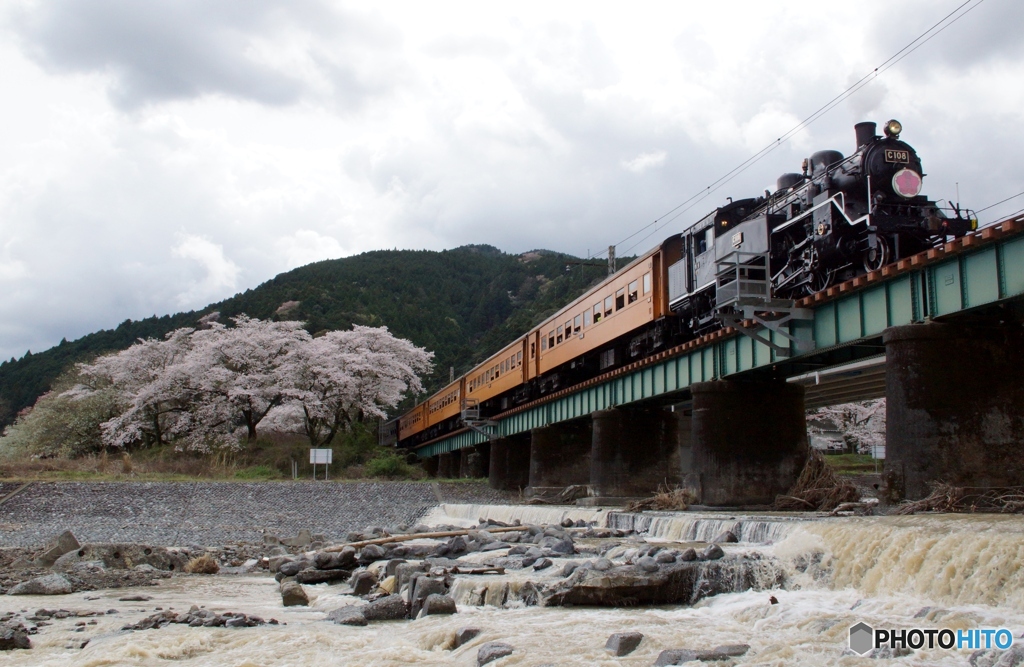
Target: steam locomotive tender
point(839, 218)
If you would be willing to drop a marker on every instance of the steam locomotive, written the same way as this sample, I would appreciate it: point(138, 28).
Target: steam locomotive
point(839, 217)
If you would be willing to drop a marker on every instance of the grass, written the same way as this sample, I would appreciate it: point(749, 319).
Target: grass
point(268, 459)
point(853, 464)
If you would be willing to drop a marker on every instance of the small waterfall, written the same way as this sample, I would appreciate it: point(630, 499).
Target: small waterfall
point(693, 527)
point(955, 559)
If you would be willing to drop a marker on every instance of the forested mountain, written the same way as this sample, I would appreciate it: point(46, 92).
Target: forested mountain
point(462, 304)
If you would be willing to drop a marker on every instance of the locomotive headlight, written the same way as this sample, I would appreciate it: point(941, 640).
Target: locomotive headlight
point(893, 129)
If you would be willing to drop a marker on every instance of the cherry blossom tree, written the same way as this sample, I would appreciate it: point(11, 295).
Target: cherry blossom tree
point(345, 376)
point(243, 372)
point(210, 388)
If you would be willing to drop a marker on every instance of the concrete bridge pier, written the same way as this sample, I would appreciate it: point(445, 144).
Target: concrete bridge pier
point(509, 465)
point(954, 407)
point(445, 469)
point(633, 452)
point(430, 465)
point(559, 457)
point(749, 441)
point(474, 461)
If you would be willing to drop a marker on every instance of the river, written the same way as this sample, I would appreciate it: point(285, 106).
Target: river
point(931, 571)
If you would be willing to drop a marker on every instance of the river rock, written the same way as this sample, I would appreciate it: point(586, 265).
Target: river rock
point(293, 595)
point(371, 553)
point(392, 567)
point(491, 651)
point(713, 552)
point(422, 587)
point(436, 604)
point(674, 583)
point(363, 582)
point(388, 608)
point(465, 635)
point(726, 537)
point(14, 638)
point(688, 555)
point(602, 565)
point(542, 564)
point(314, 576)
point(350, 615)
point(623, 643)
point(293, 567)
point(680, 656)
point(668, 556)
point(274, 564)
point(61, 545)
point(50, 584)
point(647, 564)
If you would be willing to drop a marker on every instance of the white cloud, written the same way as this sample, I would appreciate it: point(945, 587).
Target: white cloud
point(306, 246)
point(219, 276)
point(645, 161)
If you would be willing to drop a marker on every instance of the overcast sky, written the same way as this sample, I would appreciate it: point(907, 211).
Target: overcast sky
point(157, 156)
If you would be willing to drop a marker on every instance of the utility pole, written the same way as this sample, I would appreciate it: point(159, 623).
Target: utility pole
point(611, 260)
point(451, 374)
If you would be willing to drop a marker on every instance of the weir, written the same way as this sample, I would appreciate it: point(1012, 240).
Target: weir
point(959, 421)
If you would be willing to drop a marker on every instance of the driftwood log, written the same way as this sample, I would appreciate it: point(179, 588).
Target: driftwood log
point(423, 536)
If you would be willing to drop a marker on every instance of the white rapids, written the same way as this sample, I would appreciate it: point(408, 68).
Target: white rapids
point(951, 571)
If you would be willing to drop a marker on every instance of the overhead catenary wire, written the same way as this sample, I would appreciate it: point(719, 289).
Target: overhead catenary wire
point(949, 19)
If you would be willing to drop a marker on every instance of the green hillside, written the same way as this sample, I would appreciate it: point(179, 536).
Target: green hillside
point(462, 304)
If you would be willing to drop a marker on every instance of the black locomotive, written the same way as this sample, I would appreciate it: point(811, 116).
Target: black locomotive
point(840, 217)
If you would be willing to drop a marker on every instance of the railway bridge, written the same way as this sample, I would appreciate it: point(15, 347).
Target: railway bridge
point(939, 334)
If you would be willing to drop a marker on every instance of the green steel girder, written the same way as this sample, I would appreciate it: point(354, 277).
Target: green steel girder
point(963, 282)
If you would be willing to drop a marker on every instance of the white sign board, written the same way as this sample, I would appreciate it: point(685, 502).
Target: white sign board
point(878, 451)
point(320, 456)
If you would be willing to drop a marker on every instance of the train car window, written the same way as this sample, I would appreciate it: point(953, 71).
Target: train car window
point(568, 329)
point(608, 306)
point(620, 298)
point(558, 338)
point(577, 324)
point(533, 350)
point(519, 358)
point(647, 282)
point(543, 345)
point(586, 318)
point(551, 338)
point(633, 294)
point(597, 312)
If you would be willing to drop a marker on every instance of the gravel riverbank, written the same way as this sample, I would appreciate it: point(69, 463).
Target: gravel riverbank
point(216, 513)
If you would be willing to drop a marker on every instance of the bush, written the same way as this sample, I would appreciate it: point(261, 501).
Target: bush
point(391, 466)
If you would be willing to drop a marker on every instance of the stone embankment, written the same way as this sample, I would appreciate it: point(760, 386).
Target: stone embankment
point(218, 513)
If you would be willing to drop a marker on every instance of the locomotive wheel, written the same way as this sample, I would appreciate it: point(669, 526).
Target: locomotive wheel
point(819, 281)
point(877, 257)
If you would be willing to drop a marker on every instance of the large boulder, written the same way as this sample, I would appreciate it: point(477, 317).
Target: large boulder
point(491, 651)
point(672, 583)
point(61, 545)
point(50, 584)
point(350, 615)
point(388, 608)
point(623, 643)
point(422, 587)
point(13, 638)
point(363, 582)
point(124, 557)
point(436, 605)
point(293, 595)
point(314, 576)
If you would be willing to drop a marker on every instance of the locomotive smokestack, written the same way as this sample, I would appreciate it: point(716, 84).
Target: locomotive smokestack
point(865, 132)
